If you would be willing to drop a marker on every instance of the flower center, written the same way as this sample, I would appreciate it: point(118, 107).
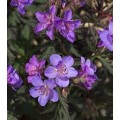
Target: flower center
point(61, 69)
point(43, 90)
point(83, 78)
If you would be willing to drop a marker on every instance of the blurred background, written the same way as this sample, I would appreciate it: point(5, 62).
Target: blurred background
point(76, 103)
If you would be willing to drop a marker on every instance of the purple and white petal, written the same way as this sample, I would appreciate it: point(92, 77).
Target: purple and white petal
point(50, 72)
point(55, 59)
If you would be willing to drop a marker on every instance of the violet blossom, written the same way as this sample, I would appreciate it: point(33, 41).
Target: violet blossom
point(13, 79)
point(44, 90)
point(87, 73)
point(106, 37)
point(46, 21)
point(61, 69)
point(66, 26)
point(20, 4)
point(34, 67)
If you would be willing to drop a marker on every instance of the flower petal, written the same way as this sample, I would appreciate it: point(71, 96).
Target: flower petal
point(72, 72)
point(18, 84)
point(50, 32)
point(43, 99)
point(41, 17)
point(39, 27)
point(21, 9)
point(103, 35)
point(55, 59)
point(55, 97)
point(71, 36)
point(68, 61)
point(100, 44)
point(34, 61)
point(13, 3)
point(52, 11)
point(111, 27)
point(62, 82)
point(50, 72)
point(29, 78)
point(77, 23)
point(88, 63)
point(50, 83)
point(36, 81)
point(68, 15)
point(87, 85)
point(34, 92)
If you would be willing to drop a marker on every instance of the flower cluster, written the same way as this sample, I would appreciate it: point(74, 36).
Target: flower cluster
point(34, 67)
point(106, 37)
point(44, 90)
point(13, 78)
point(20, 4)
point(58, 74)
point(60, 71)
point(87, 73)
point(49, 21)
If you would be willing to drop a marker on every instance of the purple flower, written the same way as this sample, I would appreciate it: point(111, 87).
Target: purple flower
point(34, 67)
point(44, 90)
point(63, 3)
point(87, 73)
point(20, 4)
point(106, 37)
point(61, 69)
point(66, 26)
point(13, 78)
point(46, 21)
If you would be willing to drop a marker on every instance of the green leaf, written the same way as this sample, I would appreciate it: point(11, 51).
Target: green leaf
point(42, 1)
point(11, 117)
point(107, 65)
point(74, 51)
point(62, 111)
point(49, 50)
point(26, 32)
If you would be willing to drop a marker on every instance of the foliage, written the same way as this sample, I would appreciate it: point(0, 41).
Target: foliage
point(76, 103)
